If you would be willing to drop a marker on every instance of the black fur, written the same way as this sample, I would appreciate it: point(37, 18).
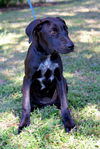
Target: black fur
point(44, 83)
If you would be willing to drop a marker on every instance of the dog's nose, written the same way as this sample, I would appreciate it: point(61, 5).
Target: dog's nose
point(70, 45)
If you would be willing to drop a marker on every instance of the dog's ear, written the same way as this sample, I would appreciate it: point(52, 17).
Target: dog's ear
point(64, 23)
point(61, 19)
point(34, 25)
point(30, 28)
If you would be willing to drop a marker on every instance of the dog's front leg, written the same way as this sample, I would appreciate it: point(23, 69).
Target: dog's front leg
point(25, 120)
point(66, 116)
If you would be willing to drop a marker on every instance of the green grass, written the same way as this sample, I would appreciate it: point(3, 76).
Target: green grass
point(81, 69)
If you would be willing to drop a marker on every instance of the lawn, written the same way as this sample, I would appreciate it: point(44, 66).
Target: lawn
point(81, 69)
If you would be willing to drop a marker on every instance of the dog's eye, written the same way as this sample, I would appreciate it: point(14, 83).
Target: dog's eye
point(54, 31)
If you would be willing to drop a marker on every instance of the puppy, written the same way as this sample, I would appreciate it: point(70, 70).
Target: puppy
point(44, 83)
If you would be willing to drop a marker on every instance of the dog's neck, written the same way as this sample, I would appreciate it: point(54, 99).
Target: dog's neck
point(44, 52)
point(42, 49)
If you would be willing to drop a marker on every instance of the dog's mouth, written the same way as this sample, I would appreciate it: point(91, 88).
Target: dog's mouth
point(70, 49)
point(63, 50)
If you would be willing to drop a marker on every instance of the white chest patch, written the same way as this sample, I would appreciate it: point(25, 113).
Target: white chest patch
point(44, 66)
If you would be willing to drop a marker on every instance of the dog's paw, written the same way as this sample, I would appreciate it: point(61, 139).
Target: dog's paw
point(70, 127)
point(20, 129)
point(24, 123)
point(67, 120)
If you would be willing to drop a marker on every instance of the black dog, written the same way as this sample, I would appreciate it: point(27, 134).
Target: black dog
point(44, 83)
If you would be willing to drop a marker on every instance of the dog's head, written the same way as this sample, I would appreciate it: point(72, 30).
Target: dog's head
point(51, 34)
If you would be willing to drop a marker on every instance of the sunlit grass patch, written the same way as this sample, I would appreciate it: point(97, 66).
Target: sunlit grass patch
point(7, 120)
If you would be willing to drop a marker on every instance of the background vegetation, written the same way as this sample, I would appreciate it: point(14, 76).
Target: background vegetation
point(81, 69)
point(6, 3)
